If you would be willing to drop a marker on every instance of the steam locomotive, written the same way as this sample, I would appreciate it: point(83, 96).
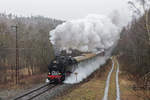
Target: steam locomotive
point(62, 66)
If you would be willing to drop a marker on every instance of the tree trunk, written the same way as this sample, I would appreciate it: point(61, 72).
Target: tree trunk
point(147, 24)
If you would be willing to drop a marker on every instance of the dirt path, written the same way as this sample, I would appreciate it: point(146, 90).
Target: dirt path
point(117, 83)
point(113, 84)
point(108, 82)
point(98, 88)
point(113, 90)
point(124, 87)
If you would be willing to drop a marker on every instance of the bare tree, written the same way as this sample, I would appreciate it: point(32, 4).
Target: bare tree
point(34, 46)
point(141, 7)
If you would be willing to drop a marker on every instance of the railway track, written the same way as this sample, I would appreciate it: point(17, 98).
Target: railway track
point(35, 92)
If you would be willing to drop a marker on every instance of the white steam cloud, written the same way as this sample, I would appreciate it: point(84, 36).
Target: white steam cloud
point(84, 69)
point(88, 34)
point(94, 32)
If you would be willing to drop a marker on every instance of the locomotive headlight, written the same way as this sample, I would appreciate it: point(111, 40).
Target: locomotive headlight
point(59, 73)
point(49, 73)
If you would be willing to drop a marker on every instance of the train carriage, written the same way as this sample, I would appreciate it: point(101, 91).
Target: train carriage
point(61, 67)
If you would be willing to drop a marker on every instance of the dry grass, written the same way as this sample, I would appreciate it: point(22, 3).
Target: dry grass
point(127, 91)
point(26, 82)
point(126, 88)
point(94, 89)
point(91, 90)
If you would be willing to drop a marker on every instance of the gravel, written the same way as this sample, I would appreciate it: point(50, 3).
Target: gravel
point(49, 95)
point(57, 91)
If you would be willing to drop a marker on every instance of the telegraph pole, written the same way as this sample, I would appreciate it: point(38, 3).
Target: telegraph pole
point(17, 53)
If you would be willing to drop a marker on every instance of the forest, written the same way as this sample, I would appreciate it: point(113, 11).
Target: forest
point(25, 48)
point(134, 50)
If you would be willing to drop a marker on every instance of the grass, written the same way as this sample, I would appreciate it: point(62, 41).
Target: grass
point(126, 88)
point(112, 84)
point(91, 90)
point(27, 82)
point(94, 89)
point(127, 92)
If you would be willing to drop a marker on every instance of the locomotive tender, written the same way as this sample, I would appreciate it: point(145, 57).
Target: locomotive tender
point(62, 66)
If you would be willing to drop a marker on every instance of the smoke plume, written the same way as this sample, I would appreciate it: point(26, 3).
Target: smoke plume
point(93, 33)
point(89, 34)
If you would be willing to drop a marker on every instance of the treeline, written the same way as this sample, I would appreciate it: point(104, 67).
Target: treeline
point(134, 48)
point(34, 48)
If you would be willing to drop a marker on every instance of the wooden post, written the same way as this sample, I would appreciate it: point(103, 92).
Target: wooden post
point(17, 54)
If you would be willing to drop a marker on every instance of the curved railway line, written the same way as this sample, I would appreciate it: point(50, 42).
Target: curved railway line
point(35, 92)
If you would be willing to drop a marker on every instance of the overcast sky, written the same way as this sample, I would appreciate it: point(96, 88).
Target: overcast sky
point(60, 9)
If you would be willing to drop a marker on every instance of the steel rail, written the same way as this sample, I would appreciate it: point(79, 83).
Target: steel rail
point(45, 88)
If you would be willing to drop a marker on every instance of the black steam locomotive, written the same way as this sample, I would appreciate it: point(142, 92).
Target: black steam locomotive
point(63, 66)
point(60, 68)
